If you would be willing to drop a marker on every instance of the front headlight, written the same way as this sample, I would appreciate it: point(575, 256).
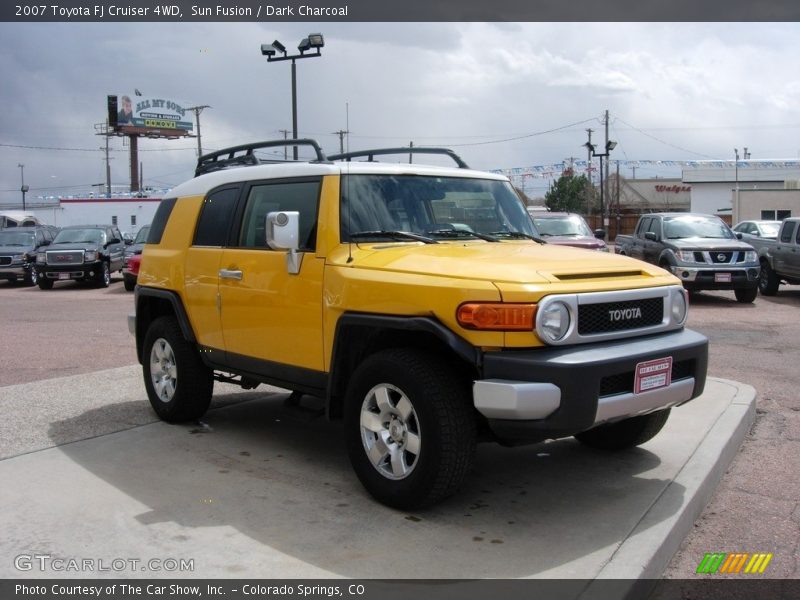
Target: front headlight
point(686, 256)
point(40, 258)
point(680, 306)
point(90, 256)
point(553, 321)
point(750, 256)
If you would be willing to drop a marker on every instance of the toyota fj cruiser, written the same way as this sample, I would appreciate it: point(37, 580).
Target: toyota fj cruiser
point(416, 301)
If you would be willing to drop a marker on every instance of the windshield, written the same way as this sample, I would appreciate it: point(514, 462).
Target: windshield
point(141, 237)
point(703, 227)
point(770, 230)
point(568, 225)
point(16, 238)
point(437, 208)
point(80, 236)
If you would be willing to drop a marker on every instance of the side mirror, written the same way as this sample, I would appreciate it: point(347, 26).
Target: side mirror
point(650, 235)
point(113, 241)
point(283, 233)
point(45, 243)
point(739, 235)
point(600, 234)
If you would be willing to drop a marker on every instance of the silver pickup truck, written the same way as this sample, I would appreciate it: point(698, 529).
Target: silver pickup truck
point(779, 258)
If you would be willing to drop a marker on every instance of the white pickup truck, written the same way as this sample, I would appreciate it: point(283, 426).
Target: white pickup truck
point(779, 258)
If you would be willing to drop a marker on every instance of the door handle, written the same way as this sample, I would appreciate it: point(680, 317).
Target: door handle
point(230, 274)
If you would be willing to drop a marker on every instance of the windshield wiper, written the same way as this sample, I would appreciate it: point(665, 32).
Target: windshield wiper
point(396, 235)
point(518, 235)
point(462, 233)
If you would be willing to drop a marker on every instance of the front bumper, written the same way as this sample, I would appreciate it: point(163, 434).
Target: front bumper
point(13, 272)
point(718, 278)
point(91, 270)
point(532, 395)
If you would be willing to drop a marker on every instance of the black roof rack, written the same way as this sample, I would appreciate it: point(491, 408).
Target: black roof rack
point(370, 154)
point(244, 155)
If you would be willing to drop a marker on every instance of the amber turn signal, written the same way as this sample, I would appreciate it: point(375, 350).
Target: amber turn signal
point(496, 316)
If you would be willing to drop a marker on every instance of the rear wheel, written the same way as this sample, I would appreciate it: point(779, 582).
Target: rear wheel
point(626, 433)
point(130, 283)
point(178, 384)
point(409, 429)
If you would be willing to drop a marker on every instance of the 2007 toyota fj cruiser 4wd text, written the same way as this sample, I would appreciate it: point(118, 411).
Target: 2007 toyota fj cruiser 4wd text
point(417, 301)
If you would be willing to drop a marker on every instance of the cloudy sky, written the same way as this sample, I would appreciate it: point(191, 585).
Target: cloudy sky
point(503, 95)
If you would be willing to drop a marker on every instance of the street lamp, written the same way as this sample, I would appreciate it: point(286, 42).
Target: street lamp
point(610, 145)
point(23, 188)
point(277, 52)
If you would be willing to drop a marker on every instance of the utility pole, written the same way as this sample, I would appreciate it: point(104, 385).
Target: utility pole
point(197, 110)
point(589, 172)
point(341, 133)
point(102, 129)
point(603, 216)
point(736, 171)
point(23, 188)
point(285, 133)
point(410, 152)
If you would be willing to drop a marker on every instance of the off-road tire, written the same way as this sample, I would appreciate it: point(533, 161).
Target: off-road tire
point(178, 384)
point(438, 413)
point(626, 433)
point(768, 280)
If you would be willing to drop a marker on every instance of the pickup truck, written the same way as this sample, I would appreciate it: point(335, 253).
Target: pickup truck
point(779, 258)
point(701, 250)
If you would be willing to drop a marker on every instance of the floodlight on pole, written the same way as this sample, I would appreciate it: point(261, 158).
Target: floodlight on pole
point(314, 41)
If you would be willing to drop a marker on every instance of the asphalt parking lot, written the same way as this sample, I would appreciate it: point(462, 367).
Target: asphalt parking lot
point(74, 331)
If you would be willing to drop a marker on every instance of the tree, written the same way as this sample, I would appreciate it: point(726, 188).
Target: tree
point(570, 193)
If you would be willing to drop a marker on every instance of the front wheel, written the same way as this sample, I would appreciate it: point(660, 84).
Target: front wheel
point(45, 284)
point(627, 433)
point(32, 277)
point(768, 280)
point(104, 277)
point(178, 384)
point(745, 295)
point(409, 427)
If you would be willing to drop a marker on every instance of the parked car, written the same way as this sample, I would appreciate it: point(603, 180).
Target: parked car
point(759, 229)
point(81, 253)
point(568, 229)
point(137, 244)
point(18, 247)
point(780, 258)
point(700, 249)
point(416, 302)
point(130, 273)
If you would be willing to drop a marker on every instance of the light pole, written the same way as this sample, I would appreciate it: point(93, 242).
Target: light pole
point(736, 176)
point(609, 147)
point(23, 188)
point(314, 41)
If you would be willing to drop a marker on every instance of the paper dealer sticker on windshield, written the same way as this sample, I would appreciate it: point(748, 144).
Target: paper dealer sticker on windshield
point(653, 374)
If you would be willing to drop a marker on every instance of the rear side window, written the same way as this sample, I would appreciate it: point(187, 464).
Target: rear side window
point(160, 220)
point(786, 232)
point(214, 224)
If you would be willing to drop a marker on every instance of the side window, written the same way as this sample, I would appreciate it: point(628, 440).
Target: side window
point(116, 234)
point(655, 227)
point(300, 196)
point(39, 239)
point(160, 220)
point(797, 237)
point(786, 232)
point(214, 223)
point(644, 225)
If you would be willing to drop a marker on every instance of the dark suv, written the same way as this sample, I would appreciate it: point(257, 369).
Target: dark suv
point(82, 253)
point(18, 247)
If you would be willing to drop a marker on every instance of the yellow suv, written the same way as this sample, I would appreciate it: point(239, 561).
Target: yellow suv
point(417, 301)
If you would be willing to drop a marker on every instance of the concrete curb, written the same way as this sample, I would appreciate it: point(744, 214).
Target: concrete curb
point(638, 560)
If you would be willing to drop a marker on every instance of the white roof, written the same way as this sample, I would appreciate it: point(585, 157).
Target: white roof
point(200, 185)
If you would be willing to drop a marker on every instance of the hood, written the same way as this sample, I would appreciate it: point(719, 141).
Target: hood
point(512, 262)
point(697, 243)
point(6, 250)
point(589, 243)
point(71, 246)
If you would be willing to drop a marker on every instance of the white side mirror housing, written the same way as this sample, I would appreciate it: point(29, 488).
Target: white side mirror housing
point(283, 233)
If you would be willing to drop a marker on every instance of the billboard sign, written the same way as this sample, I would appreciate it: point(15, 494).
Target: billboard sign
point(134, 113)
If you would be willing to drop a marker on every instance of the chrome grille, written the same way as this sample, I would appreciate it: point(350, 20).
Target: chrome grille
point(65, 257)
point(5, 261)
